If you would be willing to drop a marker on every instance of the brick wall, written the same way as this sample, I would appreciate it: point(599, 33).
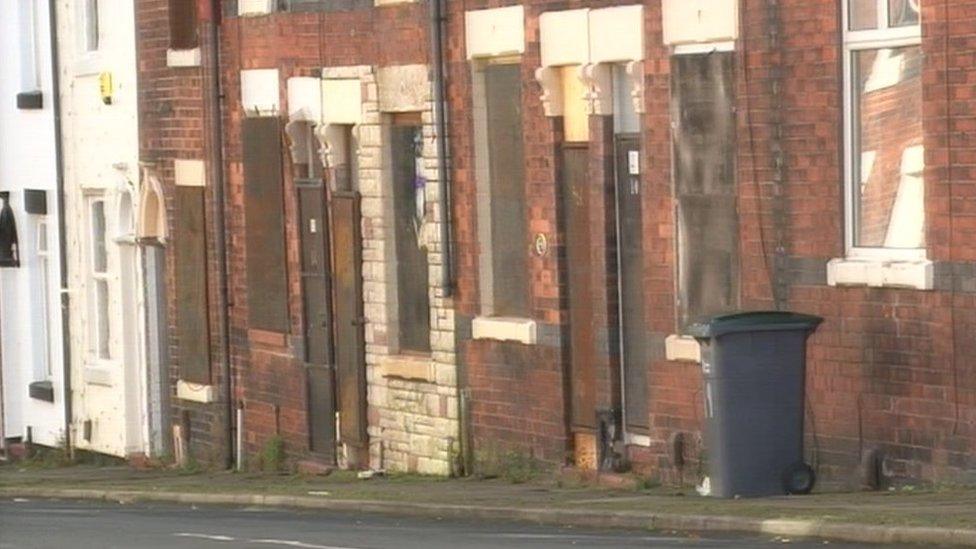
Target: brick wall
point(171, 127)
point(889, 369)
point(412, 421)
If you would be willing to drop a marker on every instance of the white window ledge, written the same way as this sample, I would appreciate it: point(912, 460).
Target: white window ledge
point(522, 330)
point(194, 392)
point(634, 439)
point(98, 375)
point(679, 347)
point(247, 8)
point(880, 273)
point(183, 58)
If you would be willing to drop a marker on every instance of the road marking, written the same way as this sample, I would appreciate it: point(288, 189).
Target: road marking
point(285, 542)
point(290, 543)
point(211, 537)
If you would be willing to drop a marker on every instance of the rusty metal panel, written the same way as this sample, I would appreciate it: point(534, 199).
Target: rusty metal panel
point(316, 276)
point(703, 119)
point(413, 299)
point(183, 24)
point(630, 243)
point(509, 226)
point(190, 262)
point(576, 212)
point(350, 342)
point(321, 410)
point(264, 222)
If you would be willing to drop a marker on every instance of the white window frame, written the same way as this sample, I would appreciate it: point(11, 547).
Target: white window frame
point(88, 43)
point(42, 247)
point(853, 41)
point(96, 340)
point(30, 79)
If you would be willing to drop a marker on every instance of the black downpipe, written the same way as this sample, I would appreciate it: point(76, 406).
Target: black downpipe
point(62, 231)
point(212, 100)
point(437, 32)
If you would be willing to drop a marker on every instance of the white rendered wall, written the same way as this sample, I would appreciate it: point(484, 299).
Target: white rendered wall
point(27, 160)
point(101, 157)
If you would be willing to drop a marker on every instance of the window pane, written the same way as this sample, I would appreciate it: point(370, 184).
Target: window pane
point(99, 258)
point(102, 335)
point(91, 25)
point(888, 155)
point(863, 14)
point(42, 238)
point(902, 13)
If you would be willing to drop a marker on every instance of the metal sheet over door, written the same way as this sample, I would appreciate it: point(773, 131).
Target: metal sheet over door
point(576, 204)
point(317, 306)
point(630, 239)
point(190, 259)
point(350, 347)
point(264, 225)
point(703, 119)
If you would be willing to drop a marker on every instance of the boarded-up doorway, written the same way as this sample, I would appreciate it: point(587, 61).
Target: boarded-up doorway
point(317, 306)
point(350, 347)
point(630, 248)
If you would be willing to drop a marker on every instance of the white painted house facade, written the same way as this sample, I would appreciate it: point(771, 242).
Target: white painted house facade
point(33, 405)
point(110, 385)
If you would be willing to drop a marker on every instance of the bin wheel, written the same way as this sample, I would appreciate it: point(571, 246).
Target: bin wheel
point(799, 478)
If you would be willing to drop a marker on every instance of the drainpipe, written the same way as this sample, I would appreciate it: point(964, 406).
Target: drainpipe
point(210, 12)
point(438, 32)
point(62, 232)
point(438, 23)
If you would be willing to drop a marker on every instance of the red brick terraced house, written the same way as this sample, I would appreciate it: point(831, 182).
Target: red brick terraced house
point(621, 169)
point(370, 282)
point(310, 313)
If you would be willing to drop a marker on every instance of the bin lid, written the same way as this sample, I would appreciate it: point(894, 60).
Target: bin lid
point(753, 321)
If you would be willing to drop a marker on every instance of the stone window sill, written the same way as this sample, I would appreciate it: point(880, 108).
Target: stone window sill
point(194, 392)
point(681, 347)
point(521, 330)
point(881, 273)
point(183, 58)
point(634, 439)
point(414, 368)
point(98, 375)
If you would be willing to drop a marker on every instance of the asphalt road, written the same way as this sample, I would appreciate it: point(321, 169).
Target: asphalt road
point(70, 525)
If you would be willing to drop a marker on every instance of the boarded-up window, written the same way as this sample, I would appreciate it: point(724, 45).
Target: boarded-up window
point(183, 24)
point(506, 172)
point(704, 179)
point(190, 259)
point(413, 301)
point(267, 277)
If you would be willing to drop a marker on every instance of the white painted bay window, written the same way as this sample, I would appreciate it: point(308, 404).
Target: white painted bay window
point(884, 151)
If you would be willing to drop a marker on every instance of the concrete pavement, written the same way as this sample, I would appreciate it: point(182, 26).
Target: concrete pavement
point(41, 524)
point(938, 516)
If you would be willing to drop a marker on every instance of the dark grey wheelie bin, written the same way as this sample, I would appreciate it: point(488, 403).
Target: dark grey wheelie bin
point(754, 368)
